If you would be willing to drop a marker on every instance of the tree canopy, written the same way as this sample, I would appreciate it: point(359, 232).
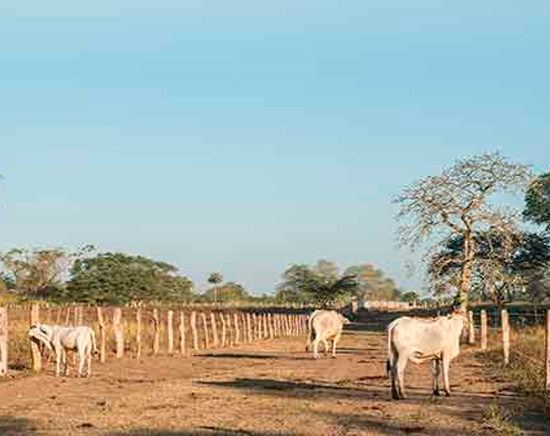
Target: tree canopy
point(537, 201)
point(502, 267)
point(115, 278)
point(228, 292)
point(323, 284)
point(456, 203)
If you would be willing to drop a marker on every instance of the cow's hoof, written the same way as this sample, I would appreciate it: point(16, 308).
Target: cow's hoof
point(447, 394)
point(436, 393)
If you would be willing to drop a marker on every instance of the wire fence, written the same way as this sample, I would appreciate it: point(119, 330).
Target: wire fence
point(521, 335)
point(144, 331)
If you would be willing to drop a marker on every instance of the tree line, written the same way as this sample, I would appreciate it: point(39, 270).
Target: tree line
point(88, 276)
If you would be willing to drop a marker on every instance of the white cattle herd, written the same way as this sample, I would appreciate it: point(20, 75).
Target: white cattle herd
point(435, 340)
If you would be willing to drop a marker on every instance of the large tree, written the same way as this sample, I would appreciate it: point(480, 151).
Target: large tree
point(537, 201)
point(321, 284)
point(116, 278)
point(37, 272)
point(226, 293)
point(373, 283)
point(502, 268)
point(457, 203)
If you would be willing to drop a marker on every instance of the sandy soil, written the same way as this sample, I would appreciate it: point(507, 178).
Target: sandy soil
point(268, 388)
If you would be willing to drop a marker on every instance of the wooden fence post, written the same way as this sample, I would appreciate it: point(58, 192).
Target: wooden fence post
point(170, 327)
point(102, 336)
point(3, 341)
point(35, 350)
point(230, 330)
point(138, 332)
point(237, 336)
point(182, 334)
point(224, 330)
point(471, 328)
point(194, 331)
point(68, 316)
point(266, 326)
point(205, 329)
point(270, 325)
point(483, 330)
point(505, 335)
point(156, 331)
point(118, 332)
point(249, 327)
point(215, 339)
point(80, 315)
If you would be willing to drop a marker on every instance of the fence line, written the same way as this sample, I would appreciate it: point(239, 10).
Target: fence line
point(122, 331)
point(501, 324)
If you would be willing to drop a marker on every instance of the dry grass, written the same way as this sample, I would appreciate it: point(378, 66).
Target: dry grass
point(526, 367)
point(498, 420)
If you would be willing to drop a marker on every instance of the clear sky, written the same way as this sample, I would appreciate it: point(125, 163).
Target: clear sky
point(242, 136)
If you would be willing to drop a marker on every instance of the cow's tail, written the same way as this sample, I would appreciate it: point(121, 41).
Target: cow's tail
point(310, 331)
point(94, 344)
point(391, 350)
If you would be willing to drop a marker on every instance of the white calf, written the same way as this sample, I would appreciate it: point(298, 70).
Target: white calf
point(420, 340)
point(325, 325)
point(60, 339)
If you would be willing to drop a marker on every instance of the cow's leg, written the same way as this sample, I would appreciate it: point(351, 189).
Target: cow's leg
point(334, 342)
point(401, 364)
point(446, 386)
point(327, 347)
point(65, 361)
point(316, 348)
point(57, 362)
point(394, 388)
point(436, 369)
point(89, 359)
point(81, 360)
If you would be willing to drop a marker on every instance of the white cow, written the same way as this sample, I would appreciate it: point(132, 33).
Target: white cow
point(420, 340)
point(60, 339)
point(325, 325)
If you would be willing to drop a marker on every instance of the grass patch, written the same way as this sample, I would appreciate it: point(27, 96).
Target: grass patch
point(526, 367)
point(499, 421)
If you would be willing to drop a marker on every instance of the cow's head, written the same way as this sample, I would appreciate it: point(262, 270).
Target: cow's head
point(41, 334)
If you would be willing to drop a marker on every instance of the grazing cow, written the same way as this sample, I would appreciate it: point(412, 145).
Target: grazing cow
point(60, 339)
point(325, 325)
point(420, 340)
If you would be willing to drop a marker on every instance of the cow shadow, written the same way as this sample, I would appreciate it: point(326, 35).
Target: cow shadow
point(254, 356)
point(10, 425)
point(201, 431)
point(273, 387)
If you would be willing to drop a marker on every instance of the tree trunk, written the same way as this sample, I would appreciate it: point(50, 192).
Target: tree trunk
point(467, 269)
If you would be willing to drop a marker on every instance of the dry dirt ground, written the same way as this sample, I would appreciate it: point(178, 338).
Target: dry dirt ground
point(269, 388)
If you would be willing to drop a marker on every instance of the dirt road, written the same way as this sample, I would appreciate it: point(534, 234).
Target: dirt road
point(269, 388)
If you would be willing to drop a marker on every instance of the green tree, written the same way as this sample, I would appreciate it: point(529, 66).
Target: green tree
point(215, 279)
point(456, 203)
point(502, 267)
point(410, 297)
point(320, 285)
point(227, 293)
point(537, 201)
point(118, 278)
point(373, 283)
point(38, 273)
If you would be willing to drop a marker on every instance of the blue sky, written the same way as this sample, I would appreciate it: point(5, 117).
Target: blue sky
point(244, 136)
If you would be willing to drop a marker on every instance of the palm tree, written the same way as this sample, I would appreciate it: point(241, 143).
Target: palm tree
point(214, 279)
